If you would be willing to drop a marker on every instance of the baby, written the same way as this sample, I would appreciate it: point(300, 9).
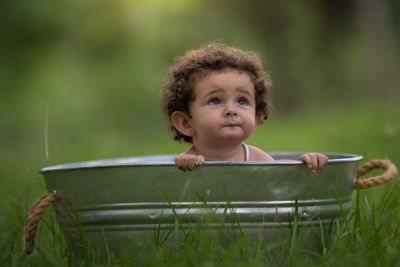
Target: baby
point(214, 98)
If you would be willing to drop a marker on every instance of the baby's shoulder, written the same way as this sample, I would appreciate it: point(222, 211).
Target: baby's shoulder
point(257, 154)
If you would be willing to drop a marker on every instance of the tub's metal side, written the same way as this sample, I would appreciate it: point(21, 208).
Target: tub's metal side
point(258, 215)
point(212, 183)
point(122, 203)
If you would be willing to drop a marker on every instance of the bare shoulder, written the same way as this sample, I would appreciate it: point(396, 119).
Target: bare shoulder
point(257, 154)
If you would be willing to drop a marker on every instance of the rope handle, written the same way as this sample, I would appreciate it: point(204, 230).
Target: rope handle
point(389, 174)
point(34, 216)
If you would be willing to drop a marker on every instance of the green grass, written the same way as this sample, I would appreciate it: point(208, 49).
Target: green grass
point(369, 238)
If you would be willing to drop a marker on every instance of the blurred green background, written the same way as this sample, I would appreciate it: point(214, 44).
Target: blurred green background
point(88, 73)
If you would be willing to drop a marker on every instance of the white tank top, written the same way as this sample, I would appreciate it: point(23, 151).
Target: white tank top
point(247, 152)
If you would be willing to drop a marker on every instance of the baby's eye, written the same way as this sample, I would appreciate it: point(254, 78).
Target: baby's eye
point(242, 101)
point(214, 101)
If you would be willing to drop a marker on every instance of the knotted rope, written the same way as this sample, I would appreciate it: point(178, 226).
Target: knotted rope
point(391, 172)
point(36, 212)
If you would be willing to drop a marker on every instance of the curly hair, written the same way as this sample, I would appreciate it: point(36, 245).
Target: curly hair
point(178, 86)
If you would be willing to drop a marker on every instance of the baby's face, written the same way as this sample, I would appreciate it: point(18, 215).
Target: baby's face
point(224, 108)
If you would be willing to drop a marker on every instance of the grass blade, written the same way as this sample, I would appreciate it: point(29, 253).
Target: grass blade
point(387, 203)
point(107, 248)
point(46, 134)
point(322, 239)
point(173, 210)
point(341, 208)
point(294, 228)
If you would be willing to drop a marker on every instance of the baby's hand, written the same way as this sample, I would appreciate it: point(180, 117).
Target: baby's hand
point(188, 161)
point(314, 161)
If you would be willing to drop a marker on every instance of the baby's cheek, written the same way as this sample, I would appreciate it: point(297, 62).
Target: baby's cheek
point(250, 120)
point(253, 125)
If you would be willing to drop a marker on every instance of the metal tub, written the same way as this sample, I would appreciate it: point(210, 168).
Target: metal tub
point(120, 200)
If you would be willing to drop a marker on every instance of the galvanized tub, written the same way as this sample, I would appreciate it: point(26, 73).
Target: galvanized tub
point(120, 200)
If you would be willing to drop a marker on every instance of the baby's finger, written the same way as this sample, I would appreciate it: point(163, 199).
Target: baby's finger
point(191, 161)
point(322, 161)
point(185, 163)
point(307, 160)
point(311, 160)
point(199, 161)
point(178, 161)
point(314, 162)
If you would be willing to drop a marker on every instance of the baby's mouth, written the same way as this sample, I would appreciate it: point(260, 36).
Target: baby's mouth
point(231, 124)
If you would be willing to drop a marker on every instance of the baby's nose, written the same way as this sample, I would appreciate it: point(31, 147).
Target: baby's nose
point(230, 111)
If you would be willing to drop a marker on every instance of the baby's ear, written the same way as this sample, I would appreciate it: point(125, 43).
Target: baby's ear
point(259, 119)
point(182, 123)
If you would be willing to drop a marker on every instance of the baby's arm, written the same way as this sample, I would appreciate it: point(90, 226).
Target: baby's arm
point(314, 161)
point(189, 160)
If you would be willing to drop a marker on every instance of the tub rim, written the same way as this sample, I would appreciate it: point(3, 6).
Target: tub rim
point(141, 161)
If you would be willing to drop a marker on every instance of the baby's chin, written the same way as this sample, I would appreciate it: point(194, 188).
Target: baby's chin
point(232, 137)
point(233, 131)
